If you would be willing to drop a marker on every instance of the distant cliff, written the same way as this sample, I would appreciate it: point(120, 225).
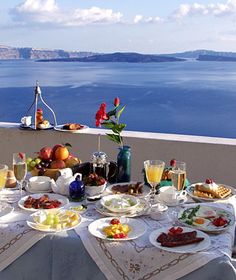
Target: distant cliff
point(216, 58)
point(31, 53)
point(120, 57)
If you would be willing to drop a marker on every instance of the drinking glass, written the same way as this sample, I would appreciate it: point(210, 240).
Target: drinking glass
point(19, 168)
point(3, 175)
point(153, 170)
point(178, 175)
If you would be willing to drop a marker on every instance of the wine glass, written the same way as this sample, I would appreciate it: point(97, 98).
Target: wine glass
point(19, 168)
point(3, 175)
point(153, 170)
point(178, 175)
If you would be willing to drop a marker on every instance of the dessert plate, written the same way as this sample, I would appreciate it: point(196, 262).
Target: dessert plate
point(190, 190)
point(141, 209)
point(190, 248)
point(145, 189)
point(138, 228)
point(206, 222)
point(60, 128)
point(64, 200)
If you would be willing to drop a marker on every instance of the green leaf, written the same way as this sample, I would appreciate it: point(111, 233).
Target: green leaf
point(115, 138)
point(120, 112)
point(68, 145)
point(111, 113)
point(108, 125)
point(118, 128)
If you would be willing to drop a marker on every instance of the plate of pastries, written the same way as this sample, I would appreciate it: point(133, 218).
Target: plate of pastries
point(71, 127)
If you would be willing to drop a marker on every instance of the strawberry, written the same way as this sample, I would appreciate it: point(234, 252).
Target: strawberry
point(209, 181)
point(173, 162)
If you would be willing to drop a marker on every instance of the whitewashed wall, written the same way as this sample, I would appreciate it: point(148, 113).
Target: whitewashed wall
point(205, 157)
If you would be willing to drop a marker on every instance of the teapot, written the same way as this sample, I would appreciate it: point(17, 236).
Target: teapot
point(62, 183)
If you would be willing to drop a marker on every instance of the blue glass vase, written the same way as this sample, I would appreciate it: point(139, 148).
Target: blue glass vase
point(124, 164)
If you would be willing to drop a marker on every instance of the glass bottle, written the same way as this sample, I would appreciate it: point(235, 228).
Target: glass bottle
point(100, 164)
point(124, 164)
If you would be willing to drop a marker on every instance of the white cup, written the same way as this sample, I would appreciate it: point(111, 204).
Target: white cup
point(40, 183)
point(26, 120)
point(170, 194)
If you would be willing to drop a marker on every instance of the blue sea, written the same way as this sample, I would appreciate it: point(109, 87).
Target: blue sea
point(192, 97)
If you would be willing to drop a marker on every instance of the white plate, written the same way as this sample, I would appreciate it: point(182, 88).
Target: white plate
point(172, 203)
point(138, 228)
point(60, 128)
point(5, 209)
point(139, 210)
point(64, 200)
point(190, 248)
point(210, 227)
point(145, 188)
point(33, 225)
point(119, 199)
point(190, 189)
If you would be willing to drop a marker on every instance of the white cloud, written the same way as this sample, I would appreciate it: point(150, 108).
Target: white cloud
point(218, 9)
point(138, 18)
point(142, 19)
point(47, 11)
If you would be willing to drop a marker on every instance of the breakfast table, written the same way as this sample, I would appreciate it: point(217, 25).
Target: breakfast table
point(76, 254)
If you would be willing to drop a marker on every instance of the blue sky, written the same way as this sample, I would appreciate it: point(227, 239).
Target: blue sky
point(145, 26)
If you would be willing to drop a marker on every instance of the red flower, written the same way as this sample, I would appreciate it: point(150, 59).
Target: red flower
point(116, 101)
point(101, 114)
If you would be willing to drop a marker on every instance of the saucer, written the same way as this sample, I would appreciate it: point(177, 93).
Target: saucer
point(173, 203)
point(29, 189)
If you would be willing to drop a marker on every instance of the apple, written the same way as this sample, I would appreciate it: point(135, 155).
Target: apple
point(54, 149)
point(57, 164)
point(45, 153)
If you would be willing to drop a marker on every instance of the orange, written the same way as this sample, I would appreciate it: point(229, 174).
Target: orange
point(61, 153)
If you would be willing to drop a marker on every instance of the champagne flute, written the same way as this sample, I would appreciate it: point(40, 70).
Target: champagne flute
point(19, 168)
point(153, 170)
point(3, 175)
point(178, 175)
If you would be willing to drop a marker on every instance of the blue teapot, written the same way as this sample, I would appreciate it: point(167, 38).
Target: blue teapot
point(77, 189)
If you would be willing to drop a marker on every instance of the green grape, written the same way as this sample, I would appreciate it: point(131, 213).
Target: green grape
point(28, 160)
point(37, 160)
point(32, 164)
point(49, 221)
point(56, 220)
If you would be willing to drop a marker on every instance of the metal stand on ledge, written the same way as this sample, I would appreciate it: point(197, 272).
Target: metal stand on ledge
point(37, 97)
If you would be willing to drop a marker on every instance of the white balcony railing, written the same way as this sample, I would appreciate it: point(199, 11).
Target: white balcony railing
point(206, 157)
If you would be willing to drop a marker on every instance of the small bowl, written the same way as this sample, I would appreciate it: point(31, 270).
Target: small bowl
point(120, 203)
point(94, 190)
point(40, 183)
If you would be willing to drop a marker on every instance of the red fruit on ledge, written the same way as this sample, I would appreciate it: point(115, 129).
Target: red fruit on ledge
point(173, 162)
point(209, 181)
point(45, 153)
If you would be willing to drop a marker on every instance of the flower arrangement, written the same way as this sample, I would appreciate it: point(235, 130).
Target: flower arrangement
point(110, 120)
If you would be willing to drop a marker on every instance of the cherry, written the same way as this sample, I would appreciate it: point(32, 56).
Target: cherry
point(209, 181)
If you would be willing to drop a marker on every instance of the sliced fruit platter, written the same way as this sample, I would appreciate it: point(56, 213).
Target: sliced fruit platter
point(54, 220)
point(117, 229)
point(206, 218)
point(209, 191)
point(42, 201)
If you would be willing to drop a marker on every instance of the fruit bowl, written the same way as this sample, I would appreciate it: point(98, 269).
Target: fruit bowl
point(95, 190)
point(94, 184)
point(52, 173)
